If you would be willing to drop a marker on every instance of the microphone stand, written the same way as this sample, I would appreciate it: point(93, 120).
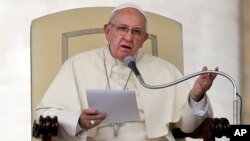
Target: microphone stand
point(235, 90)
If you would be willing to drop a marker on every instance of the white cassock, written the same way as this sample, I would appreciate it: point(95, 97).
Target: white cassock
point(160, 109)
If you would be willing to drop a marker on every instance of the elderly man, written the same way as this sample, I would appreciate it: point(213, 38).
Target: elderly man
point(160, 110)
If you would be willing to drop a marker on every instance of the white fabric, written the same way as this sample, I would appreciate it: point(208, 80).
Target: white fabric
point(199, 108)
point(128, 5)
point(158, 108)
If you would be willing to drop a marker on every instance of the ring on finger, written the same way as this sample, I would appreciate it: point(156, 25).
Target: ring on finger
point(92, 122)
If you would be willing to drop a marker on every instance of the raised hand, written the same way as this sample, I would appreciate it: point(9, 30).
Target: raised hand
point(202, 84)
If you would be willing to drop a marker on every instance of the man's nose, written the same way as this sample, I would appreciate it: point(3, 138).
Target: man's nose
point(128, 36)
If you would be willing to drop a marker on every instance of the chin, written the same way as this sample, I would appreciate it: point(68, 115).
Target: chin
point(122, 55)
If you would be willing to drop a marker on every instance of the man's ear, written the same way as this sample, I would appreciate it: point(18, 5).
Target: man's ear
point(106, 30)
point(145, 37)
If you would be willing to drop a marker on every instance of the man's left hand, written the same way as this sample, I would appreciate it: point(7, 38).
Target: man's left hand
point(202, 84)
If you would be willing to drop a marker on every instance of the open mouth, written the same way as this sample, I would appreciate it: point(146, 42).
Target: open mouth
point(126, 46)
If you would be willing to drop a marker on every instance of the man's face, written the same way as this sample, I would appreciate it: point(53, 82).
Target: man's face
point(126, 33)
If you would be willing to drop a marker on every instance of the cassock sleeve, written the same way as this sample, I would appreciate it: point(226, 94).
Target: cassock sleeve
point(194, 113)
point(62, 99)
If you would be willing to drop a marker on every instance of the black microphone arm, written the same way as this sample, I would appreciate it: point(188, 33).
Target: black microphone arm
point(129, 62)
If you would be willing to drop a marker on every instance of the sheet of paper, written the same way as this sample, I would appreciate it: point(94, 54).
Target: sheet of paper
point(119, 105)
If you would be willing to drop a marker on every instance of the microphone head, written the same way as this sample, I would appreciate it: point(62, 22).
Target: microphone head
point(128, 60)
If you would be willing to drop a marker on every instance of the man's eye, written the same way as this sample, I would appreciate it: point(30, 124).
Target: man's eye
point(122, 28)
point(137, 31)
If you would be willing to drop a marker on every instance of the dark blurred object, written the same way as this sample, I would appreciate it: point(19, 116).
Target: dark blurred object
point(210, 129)
point(45, 128)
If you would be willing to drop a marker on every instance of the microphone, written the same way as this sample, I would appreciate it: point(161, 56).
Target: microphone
point(129, 62)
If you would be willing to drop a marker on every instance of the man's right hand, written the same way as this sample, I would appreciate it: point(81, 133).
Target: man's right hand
point(90, 118)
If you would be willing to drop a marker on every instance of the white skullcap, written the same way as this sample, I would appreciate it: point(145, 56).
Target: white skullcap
point(128, 5)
